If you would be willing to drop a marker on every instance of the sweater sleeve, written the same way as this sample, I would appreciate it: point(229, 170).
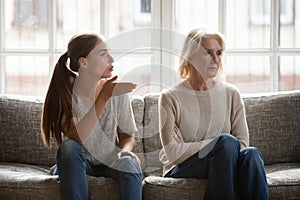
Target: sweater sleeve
point(239, 127)
point(174, 151)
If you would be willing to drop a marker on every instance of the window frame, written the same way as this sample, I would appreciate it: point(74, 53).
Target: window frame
point(163, 16)
point(2, 72)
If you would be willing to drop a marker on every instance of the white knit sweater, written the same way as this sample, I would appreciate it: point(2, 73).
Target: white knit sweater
point(200, 116)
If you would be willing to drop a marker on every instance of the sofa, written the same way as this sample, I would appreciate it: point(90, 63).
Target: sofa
point(274, 127)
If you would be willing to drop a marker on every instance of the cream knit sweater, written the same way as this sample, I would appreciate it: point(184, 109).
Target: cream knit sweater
point(200, 116)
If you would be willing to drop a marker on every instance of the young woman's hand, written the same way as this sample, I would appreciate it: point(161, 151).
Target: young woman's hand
point(111, 88)
point(128, 153)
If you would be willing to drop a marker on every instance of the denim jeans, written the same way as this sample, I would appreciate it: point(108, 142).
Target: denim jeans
point(72, 168)
point(232, 173)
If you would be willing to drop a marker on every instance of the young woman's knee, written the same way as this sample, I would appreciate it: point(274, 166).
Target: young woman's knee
point(127, 164)
point(70, 149)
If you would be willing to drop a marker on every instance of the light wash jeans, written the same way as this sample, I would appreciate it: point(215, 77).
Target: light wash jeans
point(232, 173)
point(72, 168)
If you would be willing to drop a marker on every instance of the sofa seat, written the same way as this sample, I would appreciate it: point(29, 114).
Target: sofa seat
point(27, 182)
point(283, 180)
point(279, 176)
point(156, 187)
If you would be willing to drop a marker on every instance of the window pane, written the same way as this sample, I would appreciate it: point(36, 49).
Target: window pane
point(133, 59)
point(289, 73)
point(290, 24)
point(74, 16)
point(124, 15)
point(251, 74)
point(26, 75)
point(137, 69)
point(26, 24)
point(196, 14)
point(248, 29)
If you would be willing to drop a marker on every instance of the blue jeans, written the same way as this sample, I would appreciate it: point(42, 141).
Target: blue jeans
point(72, 168)
point(232, 173)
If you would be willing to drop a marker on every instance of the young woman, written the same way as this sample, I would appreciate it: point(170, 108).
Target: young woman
point(203, 126)
point(90, 116)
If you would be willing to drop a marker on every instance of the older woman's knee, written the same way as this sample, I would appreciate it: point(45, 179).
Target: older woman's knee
point(251, 155)
point(229, 142)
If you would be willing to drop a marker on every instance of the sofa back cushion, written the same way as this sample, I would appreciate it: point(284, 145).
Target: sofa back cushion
point(273, 121)
point(137, 103)
point(152, 143)
point(20, 120)
point(20, 134)
point(274, 125)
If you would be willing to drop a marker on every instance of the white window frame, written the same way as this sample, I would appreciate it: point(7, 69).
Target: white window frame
point(163, 16)
point(258, 18)
point(2, 72)
point(139, 17)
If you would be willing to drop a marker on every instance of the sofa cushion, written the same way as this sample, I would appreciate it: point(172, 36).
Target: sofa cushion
point(20, 134)
point(274, 124)
point(273, 119)
point(152, 143)
point(137, 103)
point(21, 181)
point(20, 119)
point(283, 192)
point(283, 174)
point(283, 180)
point(155, 187)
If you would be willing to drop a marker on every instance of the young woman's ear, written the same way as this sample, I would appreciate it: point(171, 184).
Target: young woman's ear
point(82, 61)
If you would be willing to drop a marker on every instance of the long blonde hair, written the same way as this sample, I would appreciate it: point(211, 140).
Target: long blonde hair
point(58, 104)
point(190, 47)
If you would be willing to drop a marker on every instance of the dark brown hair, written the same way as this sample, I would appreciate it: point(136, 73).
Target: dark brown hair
point(57, 107)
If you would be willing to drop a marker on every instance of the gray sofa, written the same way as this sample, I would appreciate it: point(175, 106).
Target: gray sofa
point(273, 120)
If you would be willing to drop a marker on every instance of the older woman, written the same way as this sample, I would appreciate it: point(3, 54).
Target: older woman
point(203, 126)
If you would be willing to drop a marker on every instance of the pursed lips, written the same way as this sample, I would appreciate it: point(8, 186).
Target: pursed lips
point(111, 67)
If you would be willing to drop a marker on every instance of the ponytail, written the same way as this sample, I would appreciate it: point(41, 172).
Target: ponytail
point(58, 102)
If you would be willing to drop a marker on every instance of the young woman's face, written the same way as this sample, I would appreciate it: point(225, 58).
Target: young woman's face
point(208, 59)
point(99, 61)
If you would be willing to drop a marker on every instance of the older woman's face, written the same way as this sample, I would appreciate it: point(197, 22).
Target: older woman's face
point(207, 60)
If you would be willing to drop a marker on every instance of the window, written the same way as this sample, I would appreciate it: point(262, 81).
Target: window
point(146, 38)
point(260, 12)
point(258, 46)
